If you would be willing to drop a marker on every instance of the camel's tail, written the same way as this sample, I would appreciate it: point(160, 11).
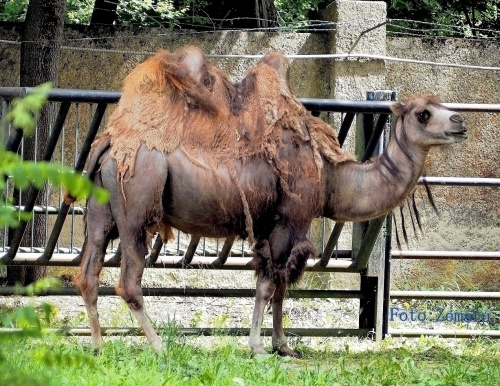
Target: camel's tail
point(99, 147)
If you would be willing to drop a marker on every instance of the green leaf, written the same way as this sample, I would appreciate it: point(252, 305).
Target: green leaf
point(18, 173)
point(101, 195)
point(24, 110)
point(36, 173)
point(53, 174)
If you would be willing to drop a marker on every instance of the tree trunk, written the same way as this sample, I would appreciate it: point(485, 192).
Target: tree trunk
point(266, 13)
point(40, 48)
point(104, 12)
point(237, 14)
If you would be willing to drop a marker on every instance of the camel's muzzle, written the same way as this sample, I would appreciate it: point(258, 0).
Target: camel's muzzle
point(458, 131)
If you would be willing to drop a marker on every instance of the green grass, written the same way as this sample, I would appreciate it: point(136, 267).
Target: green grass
point(35, 357)
point(56, 360)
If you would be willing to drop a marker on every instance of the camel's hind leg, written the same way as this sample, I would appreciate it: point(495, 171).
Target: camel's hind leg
point(136, 208)
point(129, 287)
point(100, 225)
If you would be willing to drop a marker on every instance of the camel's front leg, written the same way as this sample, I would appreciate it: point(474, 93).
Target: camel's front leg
point(280, 341)
point(290, 274)
point(264, 291)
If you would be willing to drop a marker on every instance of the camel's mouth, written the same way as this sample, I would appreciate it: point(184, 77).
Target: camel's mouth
point(459, 135)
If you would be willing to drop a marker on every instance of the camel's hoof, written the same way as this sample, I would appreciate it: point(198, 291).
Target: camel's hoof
point(157, 345)
point(258, 351)
point(286, 351)
point(97, 346)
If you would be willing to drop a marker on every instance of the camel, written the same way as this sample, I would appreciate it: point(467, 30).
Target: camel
point(221, 159)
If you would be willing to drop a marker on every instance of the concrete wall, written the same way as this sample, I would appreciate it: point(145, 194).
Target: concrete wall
point(470, 217)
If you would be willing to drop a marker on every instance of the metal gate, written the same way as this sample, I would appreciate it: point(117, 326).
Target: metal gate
point(85, 111)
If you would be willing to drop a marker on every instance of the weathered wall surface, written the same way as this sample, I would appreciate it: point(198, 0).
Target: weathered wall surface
point(470, 217)
point(107, 55)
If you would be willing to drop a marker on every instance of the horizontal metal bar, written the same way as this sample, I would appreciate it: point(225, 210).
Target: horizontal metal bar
point(39, 209)
point(346, 106)
point(460, 181)
point(375, 107)
point(474, 107)
point(445, 255)
point(199, 262)
point(451, 295)
point(418, 332)
point(93, 96)
point(191, 292)
point(204, 331)
point(62, 95)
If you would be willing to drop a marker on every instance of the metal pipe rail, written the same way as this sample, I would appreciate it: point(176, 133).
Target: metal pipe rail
point(192, 292)
point(458, 333)
point(169, 261)
point(444, 295)
point(445, 255)
point(460, 181)
point(331, 105)
point(134, 331)
point(40, 209)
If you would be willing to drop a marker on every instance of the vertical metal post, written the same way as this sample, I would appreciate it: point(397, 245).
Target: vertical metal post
point(84, 153)
point(4, 128)
point(47, 156)
point(368, 303)
point(387, 275)
point(369, 143)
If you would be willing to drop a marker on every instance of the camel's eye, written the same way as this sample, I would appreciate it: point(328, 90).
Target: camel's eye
point(423, 116)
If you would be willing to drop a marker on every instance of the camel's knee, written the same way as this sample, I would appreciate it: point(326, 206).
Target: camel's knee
point(132, 295)
point(265, 288)
point(86, 286)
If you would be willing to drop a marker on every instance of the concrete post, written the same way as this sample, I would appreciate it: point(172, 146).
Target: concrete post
point(359, 29)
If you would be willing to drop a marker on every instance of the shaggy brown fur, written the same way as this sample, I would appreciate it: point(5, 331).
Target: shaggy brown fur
point(165, 106)
point(169, 103)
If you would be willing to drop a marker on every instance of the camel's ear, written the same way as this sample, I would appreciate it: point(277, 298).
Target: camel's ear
point(398, 108)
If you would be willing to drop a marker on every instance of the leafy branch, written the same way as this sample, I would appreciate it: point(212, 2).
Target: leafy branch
point(22, 174)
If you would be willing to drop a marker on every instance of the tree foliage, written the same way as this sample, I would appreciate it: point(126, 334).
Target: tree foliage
point(297, 11)
point(152, 13)
point(170, 13)
point(77, 11)
point(462, 17)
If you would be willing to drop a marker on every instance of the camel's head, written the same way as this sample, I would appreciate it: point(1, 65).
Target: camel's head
point(428, 123)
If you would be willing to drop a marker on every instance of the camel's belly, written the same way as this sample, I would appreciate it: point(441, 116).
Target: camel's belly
point(211, 202)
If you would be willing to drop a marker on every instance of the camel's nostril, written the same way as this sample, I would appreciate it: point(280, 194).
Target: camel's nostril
point(456, 118)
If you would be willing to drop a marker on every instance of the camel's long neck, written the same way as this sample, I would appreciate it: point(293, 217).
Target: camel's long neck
point(356, 192)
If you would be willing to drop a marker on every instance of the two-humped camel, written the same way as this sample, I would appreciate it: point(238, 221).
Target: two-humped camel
point(188, 149)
